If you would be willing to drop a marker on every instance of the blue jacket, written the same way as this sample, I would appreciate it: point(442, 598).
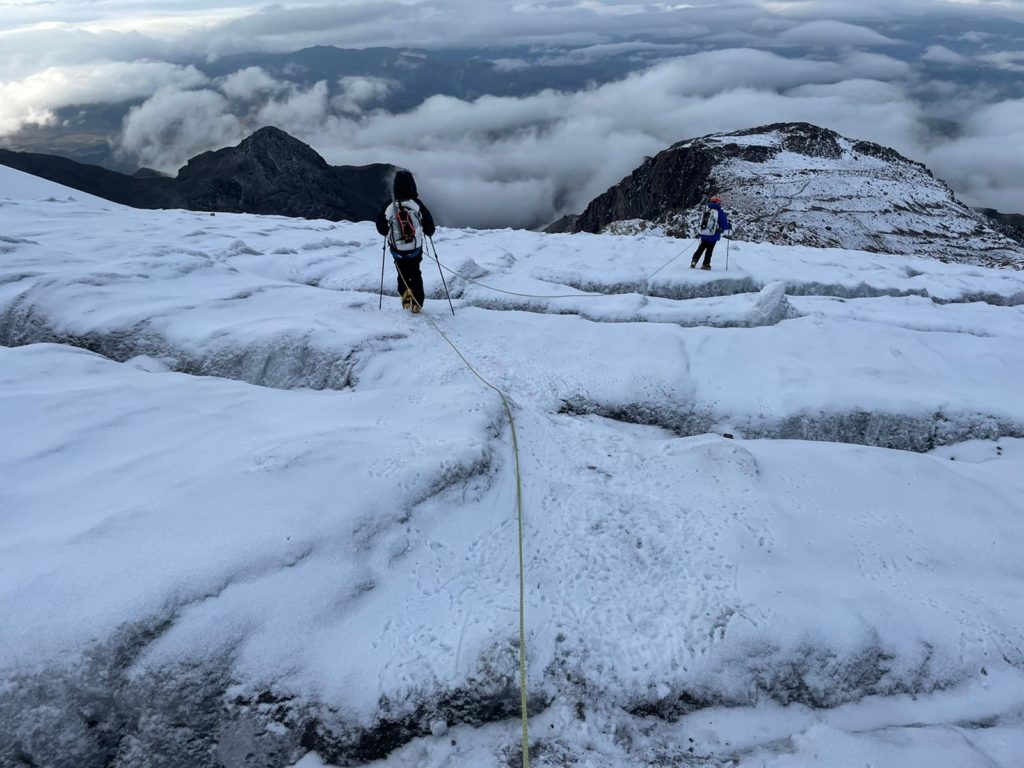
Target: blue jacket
point(723, 224)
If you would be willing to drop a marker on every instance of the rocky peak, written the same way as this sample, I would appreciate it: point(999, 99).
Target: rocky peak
point(268, 151)
point(797, 183)
point(273, 143)
point(271, 172)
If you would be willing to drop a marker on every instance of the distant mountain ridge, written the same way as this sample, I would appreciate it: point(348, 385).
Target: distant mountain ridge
point(797, 183)
point(270, 172)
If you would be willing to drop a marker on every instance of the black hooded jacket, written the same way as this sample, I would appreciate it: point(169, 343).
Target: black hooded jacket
point(404, 188)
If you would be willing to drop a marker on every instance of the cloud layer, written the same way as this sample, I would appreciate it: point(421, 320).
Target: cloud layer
point(502, 161)
point(36, 98)
point(219, 26)
point(497, 161)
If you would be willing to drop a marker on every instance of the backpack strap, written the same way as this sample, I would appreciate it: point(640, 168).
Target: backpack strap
point(390, 214)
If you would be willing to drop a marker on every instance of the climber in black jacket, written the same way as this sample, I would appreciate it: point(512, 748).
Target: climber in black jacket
point(405, 221)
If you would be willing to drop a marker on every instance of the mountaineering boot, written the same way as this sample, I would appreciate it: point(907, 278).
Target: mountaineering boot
point(406, 299)
point(693, 263)
point(706, 266)
point(416, 308)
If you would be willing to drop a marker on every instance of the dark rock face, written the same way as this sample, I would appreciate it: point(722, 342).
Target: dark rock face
point(110, 185)
point(799, 184)
point(149, 173)
point(565, 225)
point(1010, 224)
point(269, 173)
point(676, 178)
point(887, 154)
point(802, 138)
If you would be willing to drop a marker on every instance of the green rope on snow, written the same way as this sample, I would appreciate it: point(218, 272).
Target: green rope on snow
point(523, 709)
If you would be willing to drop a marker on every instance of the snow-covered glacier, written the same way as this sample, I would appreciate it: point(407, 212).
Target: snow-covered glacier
point(773, 514)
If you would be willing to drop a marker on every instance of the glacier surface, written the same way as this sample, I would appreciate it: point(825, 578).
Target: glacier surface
point(248, 518)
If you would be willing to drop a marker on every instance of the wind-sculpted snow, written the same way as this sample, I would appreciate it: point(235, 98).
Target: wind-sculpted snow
point(198, 548)
point(195, 312)
point(920, 432)
point(196, 571)
point(241, 570)
point(769, 306)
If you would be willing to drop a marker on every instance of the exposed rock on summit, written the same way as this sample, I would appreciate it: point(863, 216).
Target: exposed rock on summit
point(273, 173)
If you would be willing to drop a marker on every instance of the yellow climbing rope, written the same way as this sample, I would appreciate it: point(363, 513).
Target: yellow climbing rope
point(523, 710)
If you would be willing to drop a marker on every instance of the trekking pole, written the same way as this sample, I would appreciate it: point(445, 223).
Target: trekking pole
point(383, 249)
point(728, 242)
point(441, 272)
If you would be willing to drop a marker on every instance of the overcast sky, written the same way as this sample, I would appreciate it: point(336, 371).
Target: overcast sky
point(884, 70)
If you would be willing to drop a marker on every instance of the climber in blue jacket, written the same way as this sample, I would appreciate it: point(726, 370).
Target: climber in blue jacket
point(713, 224)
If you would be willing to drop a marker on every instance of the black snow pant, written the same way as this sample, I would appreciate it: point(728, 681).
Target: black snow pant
point(409, 273)
point(706, 248)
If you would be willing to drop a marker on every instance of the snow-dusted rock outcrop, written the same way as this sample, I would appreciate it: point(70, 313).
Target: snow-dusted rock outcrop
point(796, 183)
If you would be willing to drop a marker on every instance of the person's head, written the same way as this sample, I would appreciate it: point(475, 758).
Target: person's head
point(404, 186)
point(715, 200)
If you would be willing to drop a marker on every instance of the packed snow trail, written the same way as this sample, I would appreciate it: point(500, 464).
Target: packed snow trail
point(523, 704)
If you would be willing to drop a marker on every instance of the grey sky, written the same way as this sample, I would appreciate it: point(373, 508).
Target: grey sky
point(884, 70)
